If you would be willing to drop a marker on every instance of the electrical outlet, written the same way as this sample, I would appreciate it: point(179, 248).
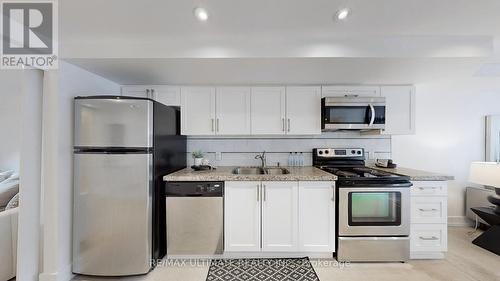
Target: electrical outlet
point(371, 155)
point(218, 156)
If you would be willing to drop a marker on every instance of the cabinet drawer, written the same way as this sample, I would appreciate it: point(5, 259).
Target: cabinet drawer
point(428, 209)
point(428, 237)
point(437, 188)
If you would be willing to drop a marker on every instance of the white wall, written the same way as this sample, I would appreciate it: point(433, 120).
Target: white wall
point(450, 131)
point(68, 82)
point(10, 118)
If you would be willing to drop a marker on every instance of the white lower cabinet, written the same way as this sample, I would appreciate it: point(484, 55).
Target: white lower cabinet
point(316, 216)
point(429, 227)
point(279, 216)
point(285, 216)
point(242, 216)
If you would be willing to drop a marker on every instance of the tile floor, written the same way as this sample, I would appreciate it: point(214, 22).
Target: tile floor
point(463, 262)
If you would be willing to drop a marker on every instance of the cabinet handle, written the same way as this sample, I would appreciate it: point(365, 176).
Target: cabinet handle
point(147, 93)
point(258, 193)
point(212, 124)
point(288, 124)
point(264, 192)
point(283, 124)
point(333, 193)
point(424, 188)
point(217, 124)
point(433, 238)
point(351, 96)
point(152, 94)
point(428, 210)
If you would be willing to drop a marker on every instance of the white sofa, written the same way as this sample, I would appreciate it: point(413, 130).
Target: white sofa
point(8, 243)
point(9, 187)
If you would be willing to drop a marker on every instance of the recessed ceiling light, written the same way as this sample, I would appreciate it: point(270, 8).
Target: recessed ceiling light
point(343, 13)
point(201, 14)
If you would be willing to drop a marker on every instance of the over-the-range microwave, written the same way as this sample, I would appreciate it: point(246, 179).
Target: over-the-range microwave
point(352, 113)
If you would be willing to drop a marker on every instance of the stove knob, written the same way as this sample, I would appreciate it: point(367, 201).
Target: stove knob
point(353, 151)
point(359, 152)
point(320, 152)
point(326, 151)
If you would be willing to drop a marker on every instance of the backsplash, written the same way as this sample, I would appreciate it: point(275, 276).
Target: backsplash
point(242, 150)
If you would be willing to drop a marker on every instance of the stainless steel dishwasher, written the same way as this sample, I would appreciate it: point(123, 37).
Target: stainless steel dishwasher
point(195, 218)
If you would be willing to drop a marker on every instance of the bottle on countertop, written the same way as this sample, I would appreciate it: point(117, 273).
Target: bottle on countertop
point(296, 160)
point(301, 160)
point(290, 159)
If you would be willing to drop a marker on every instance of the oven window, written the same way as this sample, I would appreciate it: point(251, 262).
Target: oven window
point(347, 115)
point(374, 208)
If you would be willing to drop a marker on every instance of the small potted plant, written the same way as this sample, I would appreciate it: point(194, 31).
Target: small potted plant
point(198, 157)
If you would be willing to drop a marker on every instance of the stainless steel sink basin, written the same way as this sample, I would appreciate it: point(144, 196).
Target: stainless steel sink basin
point(276, 171)
point(248, 171)
point(260, 171)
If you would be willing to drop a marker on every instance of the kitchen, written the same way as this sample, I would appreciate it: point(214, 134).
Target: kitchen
point(286, 114)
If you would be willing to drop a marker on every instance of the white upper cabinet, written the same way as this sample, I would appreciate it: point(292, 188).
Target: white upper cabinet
point(303, 110)
point(198, 111)
point(316, 216)
point(136, 91)
point(232, 111)
point(242, 211)
point(268, 111)
point(279, 216)
point(400, 109)
point(350, 91)
point(168, 95)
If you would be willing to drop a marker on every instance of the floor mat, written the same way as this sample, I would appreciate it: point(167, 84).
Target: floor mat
point(294, 269)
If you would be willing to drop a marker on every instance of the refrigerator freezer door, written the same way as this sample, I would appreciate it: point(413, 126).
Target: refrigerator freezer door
point(112, 226)
point(113, 123)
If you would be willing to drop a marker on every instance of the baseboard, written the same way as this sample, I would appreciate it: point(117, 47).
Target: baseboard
point(459, 221)
point(426, 255)
point(65, 274)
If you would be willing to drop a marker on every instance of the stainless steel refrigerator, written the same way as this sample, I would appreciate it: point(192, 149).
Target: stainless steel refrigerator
point(123, 146)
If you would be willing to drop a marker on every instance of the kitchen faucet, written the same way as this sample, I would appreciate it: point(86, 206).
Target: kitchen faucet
point(262, 158)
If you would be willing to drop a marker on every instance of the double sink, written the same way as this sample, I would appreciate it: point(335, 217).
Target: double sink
point(260, 171)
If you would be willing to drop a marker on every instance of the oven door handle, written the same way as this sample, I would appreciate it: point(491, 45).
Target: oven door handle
point(372, 119)
point(374, 185)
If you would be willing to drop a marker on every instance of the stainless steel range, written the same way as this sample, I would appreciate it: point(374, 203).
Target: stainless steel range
point(373, 207)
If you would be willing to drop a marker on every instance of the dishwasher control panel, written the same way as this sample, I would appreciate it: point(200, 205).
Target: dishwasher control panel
point(194, 189)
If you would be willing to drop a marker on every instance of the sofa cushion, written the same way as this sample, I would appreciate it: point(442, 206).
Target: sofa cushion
point(5, 175)
point(13, 203)
point(7, 190)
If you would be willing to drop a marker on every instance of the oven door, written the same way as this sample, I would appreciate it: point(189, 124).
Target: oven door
point(374, 211)
point(349, 113)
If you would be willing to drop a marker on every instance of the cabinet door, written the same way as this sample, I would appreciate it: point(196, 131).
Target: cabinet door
point(344, 90)
point(268, 110)
point(280, 216)
point(168, 95)
point(242, 211)
point(142, 91)
point(303, 110)
point(233, 111)
point(198, 110)
point(317, 216)
point(400, 110)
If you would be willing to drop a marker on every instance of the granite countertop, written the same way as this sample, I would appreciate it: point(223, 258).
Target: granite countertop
point(225, 174)
point(415, 175)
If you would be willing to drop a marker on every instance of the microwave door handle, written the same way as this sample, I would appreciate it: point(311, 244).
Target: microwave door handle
point(372, 119)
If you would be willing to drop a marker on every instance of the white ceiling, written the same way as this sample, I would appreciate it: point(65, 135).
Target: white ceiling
point(96, 28)
point(278, 41)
